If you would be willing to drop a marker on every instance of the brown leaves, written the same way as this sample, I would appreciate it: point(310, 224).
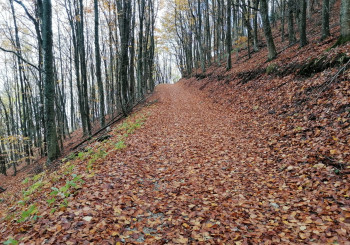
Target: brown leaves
point(198, 172)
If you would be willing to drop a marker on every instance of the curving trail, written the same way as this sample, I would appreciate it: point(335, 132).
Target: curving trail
point(199, 173)
point(196, 173)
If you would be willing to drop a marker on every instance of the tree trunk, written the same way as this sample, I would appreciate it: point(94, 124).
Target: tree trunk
point(124, 10)
point(255, 23)
point(291, 33)
point(267, 30)
point(303, 38)
point(283, 15)
point(228, 36)
point(98, 68)
point(325, 19)
point(81, 46)
point(345, 21)
point(132, 86)
point(140, 78)
point(52, 144)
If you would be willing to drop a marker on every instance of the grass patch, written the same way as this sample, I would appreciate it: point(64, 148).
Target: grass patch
point(120, 145)
point(29, 213)
point(57, 188)
point(11, 241)
point(33, 188)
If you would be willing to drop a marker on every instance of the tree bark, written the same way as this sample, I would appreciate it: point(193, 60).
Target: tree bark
point(303, 38)
point(345, 21)
point(255, 23)
point(52, 144)
point(325, 20)
point(267, 30)
point(228, 35)
point(291, 33)
point(98, 67)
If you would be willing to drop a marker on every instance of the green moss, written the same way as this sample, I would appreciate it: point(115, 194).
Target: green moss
point(272, 68)
point(341, 40)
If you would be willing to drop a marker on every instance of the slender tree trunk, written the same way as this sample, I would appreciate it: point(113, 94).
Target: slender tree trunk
point(52, 144)
point(132, 59)
point(267, 30)
point(98, 68)
point(124, 10)
point(228, 35)
point(344, 21)
point(207, 31)
point(325, 19)
point(291, 33)
point(303, 38)
point(72, 113)
point(283, 15)
point(255, 23)
point(140, 78)
point(81, 46)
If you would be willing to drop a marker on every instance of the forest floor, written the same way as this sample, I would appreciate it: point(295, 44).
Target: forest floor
point(187, 170)
point(259, 154)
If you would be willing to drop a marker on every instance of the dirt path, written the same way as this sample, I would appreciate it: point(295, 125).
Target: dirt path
point(189, 183)
point(196, 173)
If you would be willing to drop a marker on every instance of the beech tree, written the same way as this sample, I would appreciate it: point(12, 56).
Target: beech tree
point(344, 21)
point(291, 33)
point(228, 36)
point(303, 38)
point(267, 30)
point(98, 67)
point(85, 68)
point(325, 19)
point(52, 143)
point(107, 55)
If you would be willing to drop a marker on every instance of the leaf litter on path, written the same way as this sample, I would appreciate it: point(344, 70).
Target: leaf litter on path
point(197, 173)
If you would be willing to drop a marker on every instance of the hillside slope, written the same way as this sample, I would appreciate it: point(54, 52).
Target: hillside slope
point(185, 170)
point(258, 154)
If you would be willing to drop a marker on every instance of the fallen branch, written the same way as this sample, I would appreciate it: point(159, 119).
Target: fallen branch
point(329, 82)
point(116, 119)
point(113, 121)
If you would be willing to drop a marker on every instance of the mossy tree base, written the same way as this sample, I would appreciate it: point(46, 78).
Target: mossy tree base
point(342, 40)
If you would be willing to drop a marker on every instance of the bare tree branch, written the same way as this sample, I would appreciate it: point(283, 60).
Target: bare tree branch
point(20, 57)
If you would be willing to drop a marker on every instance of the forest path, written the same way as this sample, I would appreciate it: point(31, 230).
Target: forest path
point(193, 173)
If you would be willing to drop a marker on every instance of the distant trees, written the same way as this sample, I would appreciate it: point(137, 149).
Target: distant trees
point(210, 31)
point(105, 55)
point(54, 82)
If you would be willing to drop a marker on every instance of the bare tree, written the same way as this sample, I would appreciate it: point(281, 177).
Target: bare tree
point(52, 144)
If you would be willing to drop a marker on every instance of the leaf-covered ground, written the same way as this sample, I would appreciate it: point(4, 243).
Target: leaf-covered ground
point(256, 155)
point(186, 170)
